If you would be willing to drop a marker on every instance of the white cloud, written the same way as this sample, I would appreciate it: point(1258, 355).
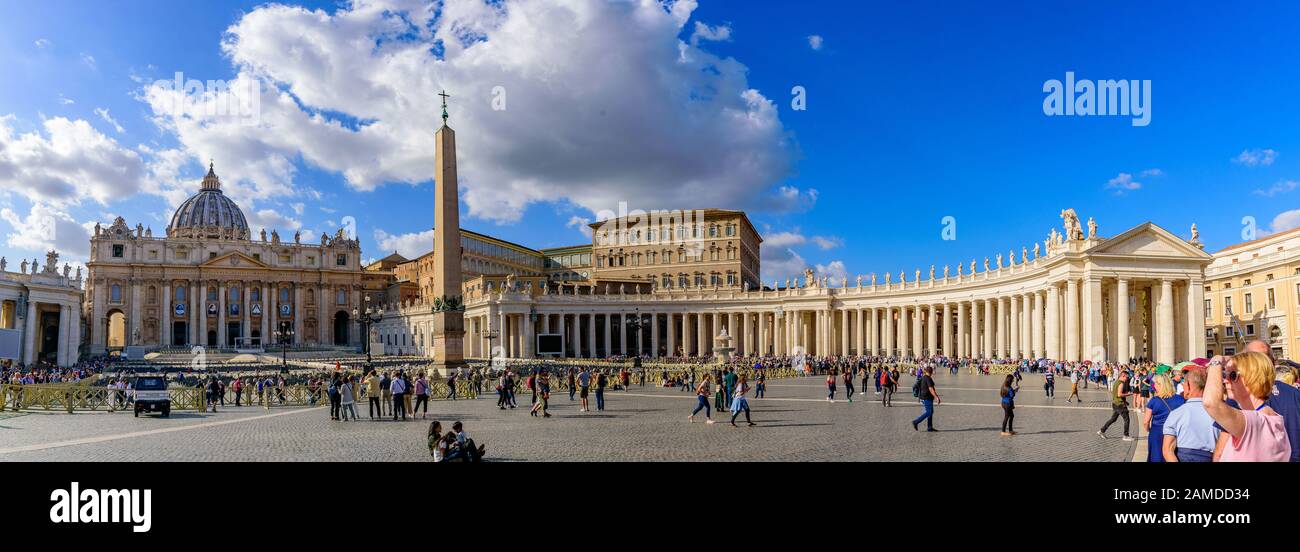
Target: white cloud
point(297, 208)
point(1286, 220)
point(88, 59)
point(785, 239)
point(815, 42)
point(270, 219)
point(65, 101)
point(780, 263)
point(1255, 157)
point(668, 121)
point(1152, 172)
point(1279, 187)
point(46, 228)
point(70, 162)
point(408, 245)
point(580, 223)
point(42, 43)
point(103, 114)
point(704, 32)
point(1123, 183)
point(834, 270)
point(828, 242)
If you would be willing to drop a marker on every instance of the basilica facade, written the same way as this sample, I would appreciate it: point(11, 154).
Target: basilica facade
point(208, 281)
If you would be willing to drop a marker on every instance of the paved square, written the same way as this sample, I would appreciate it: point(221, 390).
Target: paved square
point(644, 424)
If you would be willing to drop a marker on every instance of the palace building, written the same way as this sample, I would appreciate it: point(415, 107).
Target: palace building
point(209, 282)
point(1252, 291)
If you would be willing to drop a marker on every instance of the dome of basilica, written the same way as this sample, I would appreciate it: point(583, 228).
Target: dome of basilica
point(209, 214)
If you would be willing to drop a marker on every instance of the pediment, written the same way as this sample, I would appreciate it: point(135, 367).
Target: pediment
point(234, 259)
point(1148, 240)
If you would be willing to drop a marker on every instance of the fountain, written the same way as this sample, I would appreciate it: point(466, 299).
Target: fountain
point(722, 347)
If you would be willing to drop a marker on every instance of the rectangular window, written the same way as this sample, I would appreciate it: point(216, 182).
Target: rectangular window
point(1250, 305)
point(212, 255)
point(341, 259)
point(182, 255)
point(118, 251)
point(284, 259)
point(153, 255)
point(1250, 329)
point(1229, 332)
point(257, 257)
point(1272, 302)
point(341, 298)
point(1227, 306)
point(1209, 310)
point(311, 260)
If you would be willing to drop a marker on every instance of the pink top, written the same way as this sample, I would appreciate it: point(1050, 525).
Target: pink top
point(1264, 440)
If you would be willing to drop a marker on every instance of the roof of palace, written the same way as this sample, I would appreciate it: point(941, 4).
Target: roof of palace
point(209, 213)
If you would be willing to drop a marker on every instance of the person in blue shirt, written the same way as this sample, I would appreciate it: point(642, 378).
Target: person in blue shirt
point(1285, 399)
point(1158, 409)
point(1008, 392)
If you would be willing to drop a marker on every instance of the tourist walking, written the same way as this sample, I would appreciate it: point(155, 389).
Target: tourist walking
point(375, 392)
point(1074, 387)
point(888, 383)
point(702, 392)
point(451, 386)
point(333, 392)
point(1049, 384)
point(542, 392)
point(928, 395)
point(347, 400)
point(830, 386)
point(601, 380)
point(739, 403)
point(1008, 392)
point(1119, 398)
point(760, 382)
point(398, 387)
point(848, 384)
point(386, 393)
point(421, 396)
point(584, 384)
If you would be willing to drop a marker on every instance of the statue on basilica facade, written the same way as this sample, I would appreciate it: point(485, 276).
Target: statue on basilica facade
point(808, 278)
point(3, 263)
point(945, 271)
point(986, 264)
point(1092, 228)
point(1036, 251)
point(986, 261)
point(263, 234)
point(139, 230)
point(275, 237)
point(1024, 255)
point(23, 267)
point(887, 279)
point(932, 272)
point(78, 273)
point(297, 236)
point(67, 268)
point(972, 267)
point(35, 266)
point(859, 281)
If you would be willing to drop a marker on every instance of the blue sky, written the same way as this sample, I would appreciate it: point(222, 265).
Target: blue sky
point(914, 112)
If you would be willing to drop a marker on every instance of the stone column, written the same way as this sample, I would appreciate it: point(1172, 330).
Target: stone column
point(873, 331)
point(1094, 344)
point(609, 335)
point(1053, 323)
point(705, 332)
point(1196, 318)
point(268, 310)
point(654, 335)
point(1165, 353)
point(1015, 326)
point(1120, 302)
point(914, 335)
point(1001, 349)
point(530, 342)
point(221, 317)
point(932, 330)
point(29, 333)
point(988, 329)
point(1026, 326)
point(960, 337)
point(137, 317)
point(888, 323)
point(165, 316)
point(1073, 331)
point(199, 312)
point(945, 329)
point(672, 334)
point(974, 346)
point(297, 313)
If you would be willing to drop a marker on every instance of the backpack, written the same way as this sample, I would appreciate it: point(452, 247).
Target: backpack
point(916, 388)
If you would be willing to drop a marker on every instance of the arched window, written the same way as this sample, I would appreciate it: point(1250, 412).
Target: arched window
point(152, 295)
point(233, 294)
point(180, 294)
point(115, 293)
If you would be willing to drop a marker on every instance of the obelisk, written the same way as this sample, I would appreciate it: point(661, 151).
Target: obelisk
point(448, 318)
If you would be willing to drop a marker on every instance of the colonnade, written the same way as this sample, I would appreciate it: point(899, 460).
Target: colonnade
point(1085, 317)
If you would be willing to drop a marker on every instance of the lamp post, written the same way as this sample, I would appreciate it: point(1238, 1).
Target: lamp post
point(635, 325)
point(777, 315)
point(370, 316)
point(284, 336)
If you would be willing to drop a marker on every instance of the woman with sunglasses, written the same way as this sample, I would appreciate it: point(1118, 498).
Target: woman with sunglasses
point(1158, 409)
point(1258, 433)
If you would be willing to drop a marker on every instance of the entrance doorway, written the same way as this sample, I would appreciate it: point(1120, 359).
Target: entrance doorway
point(48, 350)
point(116, 330)
point(233, 334)
point(180, 334)
point(341, 323)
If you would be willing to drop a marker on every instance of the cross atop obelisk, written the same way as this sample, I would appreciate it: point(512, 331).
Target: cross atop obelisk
point(444, 106)
point(448, 316)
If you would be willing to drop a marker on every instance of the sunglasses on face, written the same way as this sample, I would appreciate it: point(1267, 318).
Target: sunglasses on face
point(1232, 376)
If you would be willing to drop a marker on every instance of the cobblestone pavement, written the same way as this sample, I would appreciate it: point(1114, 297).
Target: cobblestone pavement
point(795, 423)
